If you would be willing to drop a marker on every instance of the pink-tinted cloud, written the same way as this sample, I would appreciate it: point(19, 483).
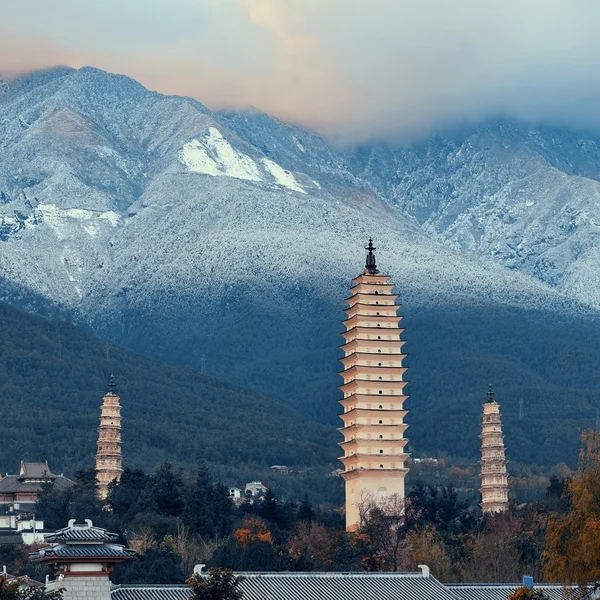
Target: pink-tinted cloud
point(22, 53)
point(353, 69)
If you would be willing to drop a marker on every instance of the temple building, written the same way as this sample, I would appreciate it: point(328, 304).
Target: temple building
point(373, 413)
point(82, 557)
point(494, 478)
point(109, 460)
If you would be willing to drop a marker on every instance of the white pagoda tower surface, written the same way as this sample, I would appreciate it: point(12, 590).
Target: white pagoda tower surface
point(373, 414)
point(108, 457)
point(494, 478)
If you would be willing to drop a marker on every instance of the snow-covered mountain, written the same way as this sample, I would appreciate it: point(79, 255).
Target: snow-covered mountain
point(186, 233)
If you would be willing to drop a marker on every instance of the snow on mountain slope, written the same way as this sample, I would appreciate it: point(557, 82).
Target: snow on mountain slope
point(180, 232)
point(215, 156)
point(102, 160)
point(525, 197)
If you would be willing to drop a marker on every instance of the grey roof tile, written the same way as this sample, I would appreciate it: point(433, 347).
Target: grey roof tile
point(310, 586)
point(500, 591)
point(84, 550)
point(81, 533)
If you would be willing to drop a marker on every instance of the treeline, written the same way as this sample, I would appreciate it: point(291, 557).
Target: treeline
point(53, 376)
point(175, 524)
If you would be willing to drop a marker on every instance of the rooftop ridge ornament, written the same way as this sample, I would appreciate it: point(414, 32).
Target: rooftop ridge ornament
point(111, 384)
point(371, 266)
point(490, 394)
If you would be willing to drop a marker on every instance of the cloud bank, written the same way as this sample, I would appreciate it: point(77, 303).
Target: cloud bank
point(352, 69)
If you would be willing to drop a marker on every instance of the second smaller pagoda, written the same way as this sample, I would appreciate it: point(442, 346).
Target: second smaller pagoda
point(494, 477)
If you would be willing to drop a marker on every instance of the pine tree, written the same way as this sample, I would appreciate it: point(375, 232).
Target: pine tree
point(305, 512)
point(221, 584)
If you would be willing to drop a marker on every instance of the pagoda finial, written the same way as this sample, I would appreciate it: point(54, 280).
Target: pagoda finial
point(370, 266)
point(490, 394)
point(111, 383)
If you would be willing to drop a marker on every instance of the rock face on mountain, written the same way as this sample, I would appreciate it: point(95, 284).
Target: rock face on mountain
point(185, 233)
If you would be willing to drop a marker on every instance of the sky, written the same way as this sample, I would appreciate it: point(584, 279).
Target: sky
point(354, 70)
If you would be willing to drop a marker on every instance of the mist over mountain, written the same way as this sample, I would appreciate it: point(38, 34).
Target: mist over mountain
point(230, 239)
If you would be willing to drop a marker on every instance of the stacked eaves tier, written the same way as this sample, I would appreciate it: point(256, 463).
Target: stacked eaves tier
point(373, 403)
point(109, 457)
point(494, 476)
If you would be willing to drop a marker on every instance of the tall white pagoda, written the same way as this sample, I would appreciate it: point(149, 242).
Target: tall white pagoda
point(494, 477)
point(109, 460)
point(373, 414)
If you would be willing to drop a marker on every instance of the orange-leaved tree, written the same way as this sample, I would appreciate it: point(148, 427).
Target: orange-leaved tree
point(252, 530)
point(525, 593)
point(573, 540)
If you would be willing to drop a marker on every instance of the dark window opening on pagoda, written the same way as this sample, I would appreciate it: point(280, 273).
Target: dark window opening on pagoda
point(378, 314)
point(379, 364)
point(381, 466)
point(381, 452)
point(379, 350)
point(380, 406)
point(380, 392)
point(381, 422)
point(380, 375)
point(380, 437)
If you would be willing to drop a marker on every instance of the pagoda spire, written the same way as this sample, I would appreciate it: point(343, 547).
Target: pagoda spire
point(373, 403)
point(371, 266)
point(109, 460)
point(494, 477)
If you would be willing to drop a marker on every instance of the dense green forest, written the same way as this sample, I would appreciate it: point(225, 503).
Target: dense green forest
point(53, 376)
point(540, 362)
point(546, 360)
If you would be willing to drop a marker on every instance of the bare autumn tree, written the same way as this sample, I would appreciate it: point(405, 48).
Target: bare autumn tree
point(573, 541)
point(386, 523)
point(494, 554)
point(426, 547)
point(314, 542)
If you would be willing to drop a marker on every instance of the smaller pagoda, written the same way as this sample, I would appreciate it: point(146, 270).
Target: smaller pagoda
point(494, 477)
point(82, 557)
point(109, 461)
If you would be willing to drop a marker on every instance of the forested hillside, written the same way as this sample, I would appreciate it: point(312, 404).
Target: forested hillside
point(52, 378)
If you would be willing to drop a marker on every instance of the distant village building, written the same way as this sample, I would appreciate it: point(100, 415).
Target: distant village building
point(82, 557)
point(255, 489)
point(235, 492)
point(282, 469)
point(19, 493)
point(109, 461)
point(494, 478)
point(426, 461)
point(373, 415)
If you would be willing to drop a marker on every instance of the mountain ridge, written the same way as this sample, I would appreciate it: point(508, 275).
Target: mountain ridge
point(184, 233)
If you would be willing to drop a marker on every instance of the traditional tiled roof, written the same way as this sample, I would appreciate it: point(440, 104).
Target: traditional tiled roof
point(83, 551)
point(81, 532)
point(14, 483)
point(38, 470)
point(500, 591)
point(10, 538)
point(309, 586)
point(81, 540)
